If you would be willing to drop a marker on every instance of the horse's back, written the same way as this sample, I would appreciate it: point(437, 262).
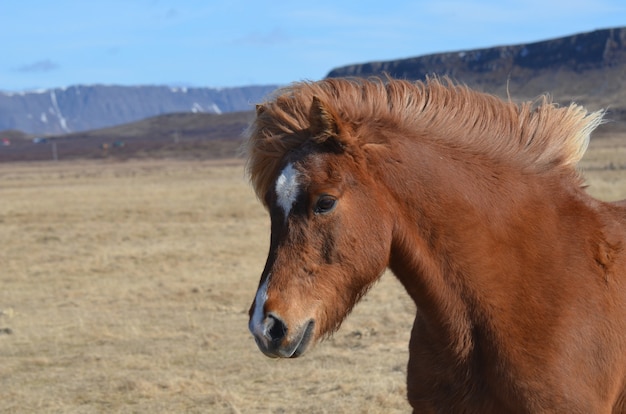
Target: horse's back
point(619, 208)
point(619, 221)
point(615, 216)
point(620, 203)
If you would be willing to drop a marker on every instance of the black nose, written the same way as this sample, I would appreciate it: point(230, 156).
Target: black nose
point(276, 329)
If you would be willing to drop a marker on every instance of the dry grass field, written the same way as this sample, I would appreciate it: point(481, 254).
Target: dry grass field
point(124, 288)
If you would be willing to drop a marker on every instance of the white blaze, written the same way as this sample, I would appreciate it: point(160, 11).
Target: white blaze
point(257, 327)
point(287, 188)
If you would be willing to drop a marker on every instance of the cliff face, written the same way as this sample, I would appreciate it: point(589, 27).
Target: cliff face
point(80, 108)
point(589, 68)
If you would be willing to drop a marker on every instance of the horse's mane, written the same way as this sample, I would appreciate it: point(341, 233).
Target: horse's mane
point(539, 134)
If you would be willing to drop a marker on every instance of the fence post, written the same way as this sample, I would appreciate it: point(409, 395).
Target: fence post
point(55, 155)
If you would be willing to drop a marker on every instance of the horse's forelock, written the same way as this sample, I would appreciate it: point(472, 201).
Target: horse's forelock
point(284, 123)
point(277, 130)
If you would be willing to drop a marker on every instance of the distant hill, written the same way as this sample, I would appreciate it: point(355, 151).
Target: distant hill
point(81, 108)
point(589, 68)
point(179, 135)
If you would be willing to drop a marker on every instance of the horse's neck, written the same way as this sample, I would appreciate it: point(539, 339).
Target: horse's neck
point(436, 298)
point(460, 236)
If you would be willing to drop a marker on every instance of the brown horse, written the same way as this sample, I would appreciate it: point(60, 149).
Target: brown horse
point(475, 204)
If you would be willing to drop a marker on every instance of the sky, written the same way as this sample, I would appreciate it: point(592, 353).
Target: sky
point(231, 43)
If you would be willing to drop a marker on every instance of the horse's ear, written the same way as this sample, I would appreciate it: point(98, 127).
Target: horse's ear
point(326, 127)
point(259, 109)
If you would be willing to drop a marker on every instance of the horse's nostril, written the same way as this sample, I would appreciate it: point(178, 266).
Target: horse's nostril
point(276, 328)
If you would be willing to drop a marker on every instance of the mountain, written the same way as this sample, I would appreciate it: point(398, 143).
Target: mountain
point(589, 68)
point(80, 108)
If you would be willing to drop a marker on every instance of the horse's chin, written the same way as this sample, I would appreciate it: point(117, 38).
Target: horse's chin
point(305, 339)
point(290, 349)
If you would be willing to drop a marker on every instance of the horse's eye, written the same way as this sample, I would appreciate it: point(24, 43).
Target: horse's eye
point(325, 204)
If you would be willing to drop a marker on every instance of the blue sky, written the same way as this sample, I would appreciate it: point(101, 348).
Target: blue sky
point(231, 43)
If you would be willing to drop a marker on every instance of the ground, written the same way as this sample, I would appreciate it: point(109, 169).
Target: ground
point(125, 288)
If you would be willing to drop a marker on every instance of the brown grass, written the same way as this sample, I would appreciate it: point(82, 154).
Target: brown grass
point(125, 288)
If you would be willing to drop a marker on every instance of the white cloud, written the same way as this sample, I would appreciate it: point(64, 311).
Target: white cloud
point(260, 38)
point(45, 65)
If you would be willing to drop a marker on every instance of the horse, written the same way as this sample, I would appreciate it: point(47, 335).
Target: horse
point(477, 206)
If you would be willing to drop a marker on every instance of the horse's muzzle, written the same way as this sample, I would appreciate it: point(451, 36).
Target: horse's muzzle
point(276, 341)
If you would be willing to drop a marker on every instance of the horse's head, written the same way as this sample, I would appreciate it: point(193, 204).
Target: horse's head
point(330, 236)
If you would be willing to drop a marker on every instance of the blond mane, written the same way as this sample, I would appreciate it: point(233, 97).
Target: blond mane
point(540, 134)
